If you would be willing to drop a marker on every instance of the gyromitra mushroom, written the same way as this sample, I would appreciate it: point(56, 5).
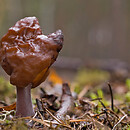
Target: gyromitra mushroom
point(26, 55)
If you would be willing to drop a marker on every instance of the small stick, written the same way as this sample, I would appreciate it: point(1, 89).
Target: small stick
point(40, 115)
point(83, 92)
point(39, 106)
point(112, 102)
point(67, 103)
point(3, 103)
point(43, 92)
point(33, 118)
point(45, 122)
point(112, 112)
point(120, 110)
point(119, 122)
point(60, 123)
point(53, 116)
point(37, 120)
point(95, 99)
point(78, 120)
point(105, 110)
point(5, 115)
point(102, 104)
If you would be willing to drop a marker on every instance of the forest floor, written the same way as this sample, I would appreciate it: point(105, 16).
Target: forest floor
point(90, 99)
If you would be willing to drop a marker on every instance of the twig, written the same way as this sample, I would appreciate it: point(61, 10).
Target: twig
point(37, 120)
point(95, 99)
point(67, 103)
point(56, 119)
point(94, 121)
point(78, 120)
point(40, 115)
point(39, 106)
point(33, 118)
point(56, 123)
point(49, 123)
point(43, 91)
point(111, 93)
point(105, 111)
point(5, 115)
point(60, 123)
point(86, 113)
point(119, 122)
point(112, 112)
point(3, 103)
point(83, 92)
point(120, 110)
point(97, 115)
point(102, 104)
point(53, 116)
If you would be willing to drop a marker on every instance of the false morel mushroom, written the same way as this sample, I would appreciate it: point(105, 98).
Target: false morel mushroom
point(26, 55)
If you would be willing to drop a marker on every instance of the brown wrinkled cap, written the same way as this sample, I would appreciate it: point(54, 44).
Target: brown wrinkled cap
point(26, 54)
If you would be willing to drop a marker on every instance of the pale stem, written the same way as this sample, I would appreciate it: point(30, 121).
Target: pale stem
point(24, 105)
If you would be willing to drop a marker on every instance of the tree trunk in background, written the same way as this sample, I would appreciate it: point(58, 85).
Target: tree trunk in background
point(119, 28)
point(47, 16)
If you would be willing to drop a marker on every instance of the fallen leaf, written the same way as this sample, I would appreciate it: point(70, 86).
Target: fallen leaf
point(9, 108)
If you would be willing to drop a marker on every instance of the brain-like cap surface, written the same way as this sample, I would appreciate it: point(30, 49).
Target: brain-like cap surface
point(25, 52)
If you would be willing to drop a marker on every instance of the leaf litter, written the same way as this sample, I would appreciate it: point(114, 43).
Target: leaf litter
point(67, 110)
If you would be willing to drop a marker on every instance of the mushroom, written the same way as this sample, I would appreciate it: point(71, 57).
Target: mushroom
point(26, 55)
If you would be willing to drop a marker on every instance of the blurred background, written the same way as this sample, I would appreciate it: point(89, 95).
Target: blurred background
point(95, 31)
point(96, 34)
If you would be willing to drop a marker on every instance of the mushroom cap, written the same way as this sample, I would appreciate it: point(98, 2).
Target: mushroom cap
point(26, 54)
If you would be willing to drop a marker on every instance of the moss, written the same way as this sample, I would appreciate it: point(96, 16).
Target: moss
point(91, 77)
point(6, 89)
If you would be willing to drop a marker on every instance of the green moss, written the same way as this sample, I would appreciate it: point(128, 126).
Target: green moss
point(19, 125)
point(99, 95)
point(78, 88)
point(91, 77)
point(127, 96)
point(128, 83)
point(6, 89)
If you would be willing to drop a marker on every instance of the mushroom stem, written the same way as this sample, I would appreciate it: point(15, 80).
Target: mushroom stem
point(24, 105)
